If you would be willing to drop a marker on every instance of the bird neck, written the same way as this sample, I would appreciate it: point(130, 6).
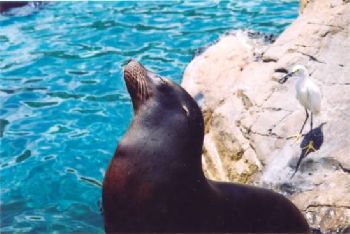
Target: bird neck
point(302, 78)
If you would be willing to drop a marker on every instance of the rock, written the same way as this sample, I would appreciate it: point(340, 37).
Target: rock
point(250, 118)
point(222, 62)
point(303, 4)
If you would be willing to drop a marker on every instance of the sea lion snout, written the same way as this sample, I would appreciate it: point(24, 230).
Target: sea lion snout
point(137, 83)
point(142, 83)
point(134, 72)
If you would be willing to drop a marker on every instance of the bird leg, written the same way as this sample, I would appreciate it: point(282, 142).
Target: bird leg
point(299, 135)
point(311, 122)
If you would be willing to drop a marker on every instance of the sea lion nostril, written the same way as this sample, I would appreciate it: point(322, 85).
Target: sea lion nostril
point(129, 62)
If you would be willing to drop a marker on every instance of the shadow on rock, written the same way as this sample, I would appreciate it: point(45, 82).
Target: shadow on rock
point(316, 137)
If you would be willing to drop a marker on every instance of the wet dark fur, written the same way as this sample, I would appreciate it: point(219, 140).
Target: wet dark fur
point(155, 181)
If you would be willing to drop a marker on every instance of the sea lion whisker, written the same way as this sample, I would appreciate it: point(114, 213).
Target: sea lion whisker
point(146, 91)
point(139, 88)
point(142, 84)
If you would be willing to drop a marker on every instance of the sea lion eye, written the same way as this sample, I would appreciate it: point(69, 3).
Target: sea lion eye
point(186, 110)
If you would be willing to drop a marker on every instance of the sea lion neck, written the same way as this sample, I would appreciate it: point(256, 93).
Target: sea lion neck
point(151, 136)
point(164, 115)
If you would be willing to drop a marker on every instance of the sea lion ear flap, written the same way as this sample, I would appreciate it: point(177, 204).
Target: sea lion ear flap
point(199, 98)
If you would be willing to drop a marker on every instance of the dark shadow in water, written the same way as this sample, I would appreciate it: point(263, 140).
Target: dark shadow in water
point(315, 135)
point(100, 206)
point(7, 7)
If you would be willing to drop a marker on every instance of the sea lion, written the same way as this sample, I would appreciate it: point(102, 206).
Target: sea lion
point(155, 181)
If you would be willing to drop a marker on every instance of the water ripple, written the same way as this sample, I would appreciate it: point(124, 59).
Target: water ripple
point(26, 154)
point(40, 104)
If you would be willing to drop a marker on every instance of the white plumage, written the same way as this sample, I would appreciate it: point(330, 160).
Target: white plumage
point(307, 92)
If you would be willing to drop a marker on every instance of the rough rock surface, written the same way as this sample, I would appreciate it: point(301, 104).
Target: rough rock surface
point(250, 118)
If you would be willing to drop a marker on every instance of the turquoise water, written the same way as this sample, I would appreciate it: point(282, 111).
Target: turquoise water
point(64, 106)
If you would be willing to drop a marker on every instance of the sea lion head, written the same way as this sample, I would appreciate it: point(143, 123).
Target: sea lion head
point(164, 110)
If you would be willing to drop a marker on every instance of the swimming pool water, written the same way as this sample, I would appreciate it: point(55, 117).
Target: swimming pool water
point(64, 106)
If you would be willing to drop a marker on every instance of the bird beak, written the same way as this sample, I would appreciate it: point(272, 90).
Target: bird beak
point(286, 77)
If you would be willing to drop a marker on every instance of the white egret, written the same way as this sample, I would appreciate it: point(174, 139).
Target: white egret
point(308, 95)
